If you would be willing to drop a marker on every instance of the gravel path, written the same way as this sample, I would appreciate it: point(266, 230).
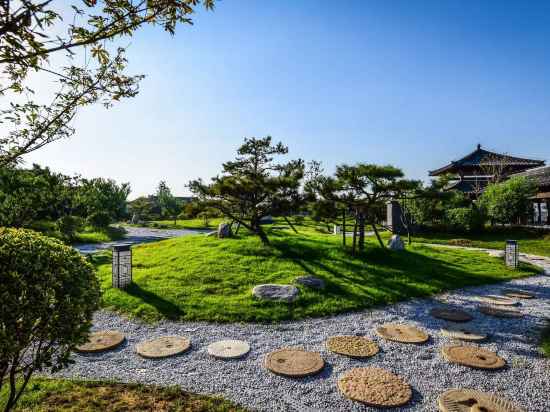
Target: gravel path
point(136, 235)
point(526, 379)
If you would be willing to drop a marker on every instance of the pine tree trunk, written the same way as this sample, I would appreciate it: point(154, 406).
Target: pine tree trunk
point(377, 235)
point(361, 232)
point(344, 227)
point(263, 237)
point(354, 242)
point(290, 224)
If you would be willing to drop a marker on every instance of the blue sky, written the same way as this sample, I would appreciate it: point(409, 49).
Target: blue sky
point(414, 84)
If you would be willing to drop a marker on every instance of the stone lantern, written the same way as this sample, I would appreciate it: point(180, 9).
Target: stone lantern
point(511, 254)
point(122, 266)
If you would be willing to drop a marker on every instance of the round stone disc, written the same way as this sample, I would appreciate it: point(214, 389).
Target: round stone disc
point(354, 346)
point(294, 362)
point(469, 400)
point(500, 312)
point(498, 300)
point(163, 347)
point(518, 294)
point(228, 349)
point(463, 334)
point(375, 387)
point(402, 333)
point(454, 315)
point(473, 356)
point(102, 340)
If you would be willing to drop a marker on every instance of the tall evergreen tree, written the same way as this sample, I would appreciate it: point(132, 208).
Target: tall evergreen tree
point(253, 186)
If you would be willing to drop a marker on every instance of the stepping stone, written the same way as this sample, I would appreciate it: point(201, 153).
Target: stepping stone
point(311, 282)
point(497, 300)
point(463, 334)
point(402, 333)
point(228, 349)
point(518, 294)
point(163, 347)
point(454, 315)
point(353, 346)
point(294, 362)
point(469, 400)
point(285, 293)
point(473, 356)
point(375, 387)
point(102, 341)
point(500, 312)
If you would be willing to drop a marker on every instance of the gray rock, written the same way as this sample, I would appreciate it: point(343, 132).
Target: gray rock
point(311, 282)
point(286, 293)
point(224, 230)
point(396, 243)
point(266, 220)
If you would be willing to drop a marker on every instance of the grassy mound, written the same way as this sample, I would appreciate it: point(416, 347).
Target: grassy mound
point(204, 278)
point(53, 395)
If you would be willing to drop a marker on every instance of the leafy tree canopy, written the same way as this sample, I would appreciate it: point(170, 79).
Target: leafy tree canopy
point(46, 37)
point(508, 201)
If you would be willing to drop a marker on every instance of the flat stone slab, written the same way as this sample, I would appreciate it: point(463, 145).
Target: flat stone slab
point(228, 349)
point(472, 356)
point(311, 281)
point(463, 334)
point(468, 400)
point(517, 294)
point(451, 314)
point(353, 346)
point(163, 347)
point(500, 312)
point(497, 300)
point(269, 291)
point(375, 387)
point(101, 341)
point(399, 332)
point(294, 362)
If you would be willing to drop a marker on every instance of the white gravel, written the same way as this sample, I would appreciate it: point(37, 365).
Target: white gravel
point(526, 379)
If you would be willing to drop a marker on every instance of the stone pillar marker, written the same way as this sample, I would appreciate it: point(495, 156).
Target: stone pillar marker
point(394, 215)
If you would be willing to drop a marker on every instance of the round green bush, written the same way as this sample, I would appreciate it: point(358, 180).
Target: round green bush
point(48, 293)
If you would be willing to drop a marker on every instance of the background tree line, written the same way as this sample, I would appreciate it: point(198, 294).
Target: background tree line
point(32, 196)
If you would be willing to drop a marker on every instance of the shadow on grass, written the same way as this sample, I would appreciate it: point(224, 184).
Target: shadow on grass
point(166, 308)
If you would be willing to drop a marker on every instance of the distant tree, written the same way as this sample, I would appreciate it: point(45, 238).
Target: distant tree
point(508, 201)
point(365, 188)
point(141, 208)
point(252, 185)
point(49, 294)
point(169, 206)
point(80, 54)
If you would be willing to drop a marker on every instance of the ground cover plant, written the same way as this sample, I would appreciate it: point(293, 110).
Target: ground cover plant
point(530, 241)
point(49, 395)
point(205, 278)
point(545, 341)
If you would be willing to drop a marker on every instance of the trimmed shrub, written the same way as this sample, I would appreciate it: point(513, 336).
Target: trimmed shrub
point(464, 219)
point(69, 225)
point(99, 220)
point(48, 293)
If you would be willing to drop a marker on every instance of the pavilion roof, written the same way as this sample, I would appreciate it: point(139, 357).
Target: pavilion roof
point(540, 174)
point(481, 157)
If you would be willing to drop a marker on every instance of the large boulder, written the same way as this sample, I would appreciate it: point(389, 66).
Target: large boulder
point(224, 230)
point(311, 282)
point(269, 291)
point(396, 243)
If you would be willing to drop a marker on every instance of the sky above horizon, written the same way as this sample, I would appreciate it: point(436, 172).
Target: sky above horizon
point(413, 84)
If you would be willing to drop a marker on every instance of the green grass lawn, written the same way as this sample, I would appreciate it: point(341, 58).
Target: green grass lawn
point(52, 395)
point(184, 223)
point(530, 241)
point(204, 278)
point(87, 235)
